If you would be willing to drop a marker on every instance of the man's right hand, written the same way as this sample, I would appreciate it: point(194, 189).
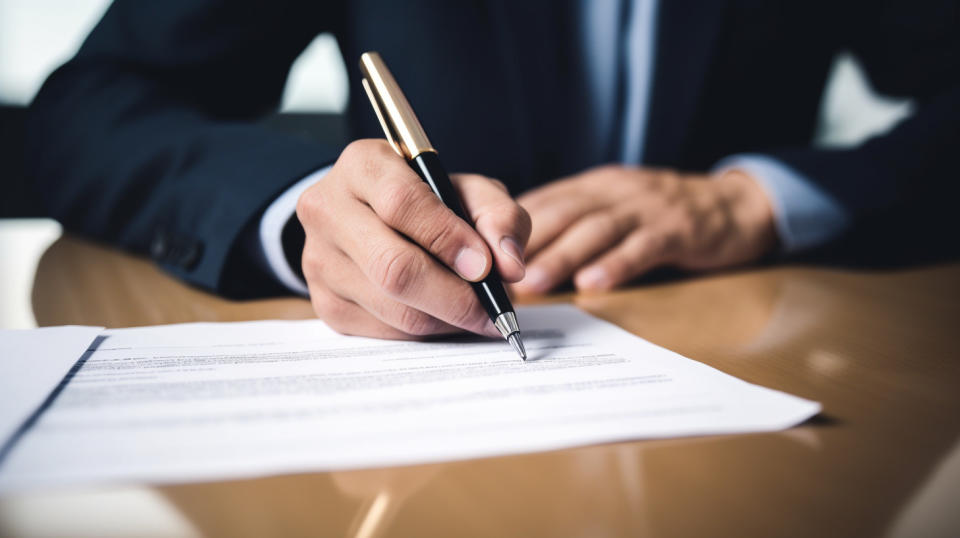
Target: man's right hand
point(383, 254)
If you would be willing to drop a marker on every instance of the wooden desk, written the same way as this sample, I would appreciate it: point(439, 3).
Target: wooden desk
point(878, 349)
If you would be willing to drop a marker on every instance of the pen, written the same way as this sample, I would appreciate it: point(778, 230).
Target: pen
point(407, 138)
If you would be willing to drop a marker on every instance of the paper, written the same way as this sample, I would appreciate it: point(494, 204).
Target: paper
point(214, 401)
point(32, 364)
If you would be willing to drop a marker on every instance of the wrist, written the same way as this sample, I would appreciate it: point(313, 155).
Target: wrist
point(750, 208)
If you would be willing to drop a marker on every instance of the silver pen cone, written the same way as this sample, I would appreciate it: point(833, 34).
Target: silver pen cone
point(506, 323)
point(517, 344)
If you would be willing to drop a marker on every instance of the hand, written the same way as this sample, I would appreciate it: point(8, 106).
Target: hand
point(371, 227)
point(611, 224)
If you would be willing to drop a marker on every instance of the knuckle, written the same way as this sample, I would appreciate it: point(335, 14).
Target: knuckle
point(475, 179)
point(513, 213)
point(524, 222)
point(655, 244)
point(354, 147)
point(659, 247)
point(626, 265)
point(619, 267)
point(500, 185)
point(415, 322)
point(353, 154)
point(465, 311)
point(567, 213)
point(611, 169)
point(366, 160)
point(603, 223)
point(672, 243)
point(560, 263)
point(303, 206)
point(360, 149)
point(380, 166)
point(630, 258)
point(396, 202)
point(338, 319)
point(687, 228)
point(337, 310)
point(342, 328)
point(309, 204)
point(311, 263)
point(395, 270)
point(683, 220)
point(510, 216)
point(325, 306)
point(441, 236)
point(601, 170)
point(464, 177)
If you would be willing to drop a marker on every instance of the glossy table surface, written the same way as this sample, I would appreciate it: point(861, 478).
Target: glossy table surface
point(877, 348)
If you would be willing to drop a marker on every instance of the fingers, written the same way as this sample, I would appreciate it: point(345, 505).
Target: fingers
point(393, 269)
point(405, 203)
point(552, 215)
point(636, 254)
point(554, 207)
point(500, 221)
point(377, 240)
point(587, 238)
point(352, 304)
point(346, 317)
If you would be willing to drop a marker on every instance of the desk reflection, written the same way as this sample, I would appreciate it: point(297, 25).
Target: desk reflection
point(877, 349)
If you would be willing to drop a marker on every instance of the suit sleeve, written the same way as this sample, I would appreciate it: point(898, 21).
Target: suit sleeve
point(148, 138)
point(899, 181)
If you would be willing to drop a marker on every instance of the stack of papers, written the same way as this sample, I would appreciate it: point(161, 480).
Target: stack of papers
point(32, 366)
point(207, 401)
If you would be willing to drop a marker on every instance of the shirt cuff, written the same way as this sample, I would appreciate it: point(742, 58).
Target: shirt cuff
point(806, 216)
point(271, 229)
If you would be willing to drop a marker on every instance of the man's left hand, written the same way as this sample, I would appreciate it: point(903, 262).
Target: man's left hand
point(608, 225)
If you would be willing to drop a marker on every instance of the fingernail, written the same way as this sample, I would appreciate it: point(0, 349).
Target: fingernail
point(470, 264)
point(592, 278)
point(536, 280)
point(510, 246)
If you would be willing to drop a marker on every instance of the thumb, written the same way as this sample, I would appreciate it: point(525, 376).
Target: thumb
point(500, 221)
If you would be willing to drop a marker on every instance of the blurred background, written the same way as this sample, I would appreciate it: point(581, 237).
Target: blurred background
point(36, 36)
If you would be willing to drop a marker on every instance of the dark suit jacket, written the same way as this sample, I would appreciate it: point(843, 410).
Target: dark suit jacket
point(149, 138)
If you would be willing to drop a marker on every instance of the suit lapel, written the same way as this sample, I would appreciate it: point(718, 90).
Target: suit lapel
point(686, 34)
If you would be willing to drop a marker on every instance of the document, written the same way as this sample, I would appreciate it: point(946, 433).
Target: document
point(32, 365)
point(209, 401)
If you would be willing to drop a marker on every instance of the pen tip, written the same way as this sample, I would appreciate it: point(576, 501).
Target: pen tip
point(517, 344)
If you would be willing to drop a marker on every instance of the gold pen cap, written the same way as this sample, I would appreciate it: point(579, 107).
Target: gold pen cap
point(400, 124)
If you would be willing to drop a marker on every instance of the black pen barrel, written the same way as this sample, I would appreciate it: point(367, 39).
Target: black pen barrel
point(490, 290)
